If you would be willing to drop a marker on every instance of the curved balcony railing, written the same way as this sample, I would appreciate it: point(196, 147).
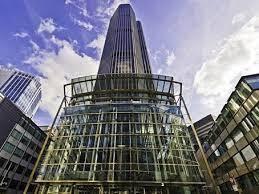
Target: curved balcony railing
point(124, 87)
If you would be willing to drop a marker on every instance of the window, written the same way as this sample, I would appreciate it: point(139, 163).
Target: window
point(26, 156)
point(256, 176)
point(255, 146)
point(13, 166)
point(217, 153)
point(243, 90)
point(18, 152)
point(248, 153)
point(238, 159)
point(234, 102)
point(20, 169)
point(237, 135)
point(8, 147)
point(248, 123)
point(2, 162)
point(25, 140)
point(37, 135)
point(228, 165)
point(255, 114)
point(226, 114)
point(221, 123)
point(32, 145)
point(16, 134)
point(229, 142)
point(222, 149)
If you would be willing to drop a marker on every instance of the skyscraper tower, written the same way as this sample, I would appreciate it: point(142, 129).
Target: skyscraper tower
point(125, 48)
point(123, 130)
point(22, 89)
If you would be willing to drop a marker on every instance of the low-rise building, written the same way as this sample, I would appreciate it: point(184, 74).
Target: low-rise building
point(21, 141)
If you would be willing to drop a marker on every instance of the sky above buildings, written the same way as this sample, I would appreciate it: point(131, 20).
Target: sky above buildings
point(205, 44)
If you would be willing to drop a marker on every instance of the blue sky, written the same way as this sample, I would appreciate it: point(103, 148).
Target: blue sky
point(205, 44)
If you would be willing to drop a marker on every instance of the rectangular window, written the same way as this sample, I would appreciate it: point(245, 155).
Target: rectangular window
point(248, 153)
point(229, 142)
point(255, 146)
point(8, 147)
point(255, 114)
point(25, 140)
point(2, 162)
point(18, 152)
point(237, 135)
point(238, 159)
point(16, 134)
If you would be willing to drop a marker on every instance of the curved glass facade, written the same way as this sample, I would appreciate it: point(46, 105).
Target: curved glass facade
point(113, 145)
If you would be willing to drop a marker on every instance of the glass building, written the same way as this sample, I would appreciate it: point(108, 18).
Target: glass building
point(233, 151)
point(20, 144)
point(22, 89)
point(202, 127)
point(122, 131)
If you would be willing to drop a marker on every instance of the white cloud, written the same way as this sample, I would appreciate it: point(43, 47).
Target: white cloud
point(162, 57)
point(34, 45)
point(238, 56)
point(81, 5)
point(98, 43)
point(170, 58)
point(238, 18)
point(21, 34)
point(57, 69)
point(85, 25)
point(47, 25)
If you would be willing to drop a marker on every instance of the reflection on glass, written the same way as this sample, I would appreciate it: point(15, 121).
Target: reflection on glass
point(248, 153)
point(237, 135)
point(238, 159)
point(229, 142)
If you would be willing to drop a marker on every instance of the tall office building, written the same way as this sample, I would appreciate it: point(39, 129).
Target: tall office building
point(233, 152)
point(121, 131)
point(125, 48)
point(21, 141)
point(22, 89)
point(202, 127)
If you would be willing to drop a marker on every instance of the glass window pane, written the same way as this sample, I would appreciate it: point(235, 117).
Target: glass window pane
point(237, 135)
point(238, 159)
point(255, 146)
point(229, 142)
point(8, 147)
point(248, 153)
point(16, 134)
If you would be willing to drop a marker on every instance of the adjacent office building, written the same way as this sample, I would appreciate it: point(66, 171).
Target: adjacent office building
point(121, 131)
point(202, 127)
point(234, 140)
point(20, 143)
point(22, 89)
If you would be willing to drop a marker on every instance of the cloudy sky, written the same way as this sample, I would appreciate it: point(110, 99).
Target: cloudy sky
point(205, 44)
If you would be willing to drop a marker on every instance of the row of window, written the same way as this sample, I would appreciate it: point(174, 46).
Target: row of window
point(237, 160)
point(241, 93)
point(247, 181)
point(249, 122)
point(36, 133)
point(10, 148)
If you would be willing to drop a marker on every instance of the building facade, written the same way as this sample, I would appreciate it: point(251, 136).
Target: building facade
point(20, 143)
point(125, 48)
point(202, 127)
point(234, 140)
point(22, 89)
point(121, 131)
